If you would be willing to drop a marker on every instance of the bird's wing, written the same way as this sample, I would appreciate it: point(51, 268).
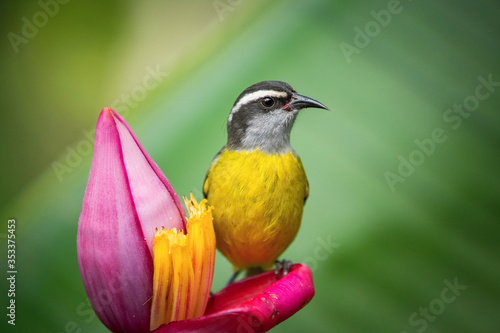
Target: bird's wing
point(307, 192)
point(307, 181)
point(206, 183)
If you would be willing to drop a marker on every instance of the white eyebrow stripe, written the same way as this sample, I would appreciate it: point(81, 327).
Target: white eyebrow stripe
point(256, 95)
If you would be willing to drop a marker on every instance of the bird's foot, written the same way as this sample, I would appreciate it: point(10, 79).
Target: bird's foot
point(233, 277)
point(282, 268)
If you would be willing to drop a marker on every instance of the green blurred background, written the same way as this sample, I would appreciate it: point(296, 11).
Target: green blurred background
point(379, 252)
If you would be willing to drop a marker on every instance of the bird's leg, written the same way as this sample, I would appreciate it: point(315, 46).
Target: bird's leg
point(233, 277)
point(282, 268)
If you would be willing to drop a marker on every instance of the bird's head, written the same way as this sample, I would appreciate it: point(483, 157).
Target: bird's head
point(263, 115)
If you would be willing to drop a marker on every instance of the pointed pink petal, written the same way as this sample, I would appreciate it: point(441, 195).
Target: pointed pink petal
point(114, 260)
point(127, 196)
point(256, 304)
point(155, 200)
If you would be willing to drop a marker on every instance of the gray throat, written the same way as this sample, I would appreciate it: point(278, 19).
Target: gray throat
point(269, 133)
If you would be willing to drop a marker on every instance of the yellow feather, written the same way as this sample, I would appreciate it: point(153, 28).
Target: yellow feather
point(258, 201)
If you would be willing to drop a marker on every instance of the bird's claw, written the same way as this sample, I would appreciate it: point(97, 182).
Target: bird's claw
point(282, 268)
point(233, 277)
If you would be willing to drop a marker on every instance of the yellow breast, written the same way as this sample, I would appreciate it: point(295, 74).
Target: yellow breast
point(258, 201)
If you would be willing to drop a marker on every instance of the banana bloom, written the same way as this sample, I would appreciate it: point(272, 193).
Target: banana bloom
point(146, 267)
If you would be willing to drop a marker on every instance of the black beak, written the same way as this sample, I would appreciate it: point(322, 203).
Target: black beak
point(300, 102)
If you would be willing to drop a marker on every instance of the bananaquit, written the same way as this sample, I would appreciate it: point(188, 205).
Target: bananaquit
point(256, 183)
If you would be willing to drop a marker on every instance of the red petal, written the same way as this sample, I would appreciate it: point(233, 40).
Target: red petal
point(255, 304)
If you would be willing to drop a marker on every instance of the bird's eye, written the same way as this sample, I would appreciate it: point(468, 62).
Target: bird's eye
point(267, 102)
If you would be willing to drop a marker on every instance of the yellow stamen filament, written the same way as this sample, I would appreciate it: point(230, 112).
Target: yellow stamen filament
point(201, 239)
point(161, 278)
point(183, 267)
